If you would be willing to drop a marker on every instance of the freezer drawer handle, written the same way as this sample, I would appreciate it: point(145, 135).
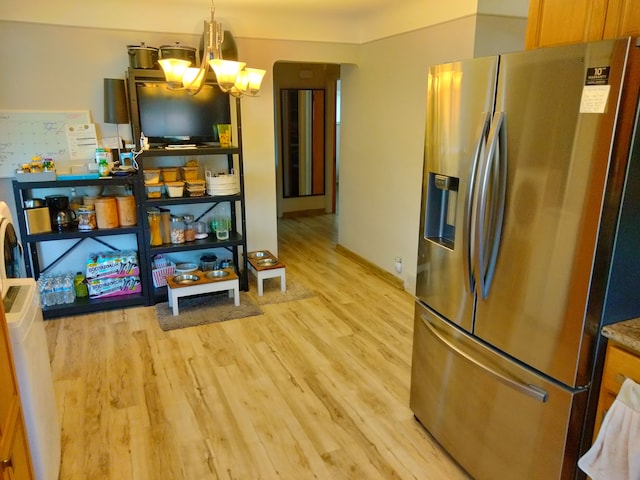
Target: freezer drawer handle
point(530, 390)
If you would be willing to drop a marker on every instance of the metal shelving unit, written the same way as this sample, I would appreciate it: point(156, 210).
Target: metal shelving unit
point(33, 263)
point(236, 243)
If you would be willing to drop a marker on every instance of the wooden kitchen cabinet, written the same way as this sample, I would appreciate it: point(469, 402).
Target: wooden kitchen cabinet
point(619, 364)
point(15, 460)
point(558, 22)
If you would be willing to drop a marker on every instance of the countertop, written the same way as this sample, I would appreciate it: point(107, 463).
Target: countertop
point(625, 333)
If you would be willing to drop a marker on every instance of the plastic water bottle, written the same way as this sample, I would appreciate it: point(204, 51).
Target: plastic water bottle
point(58, 290)
point(69, 294)
point(42, 290)
point(50, 294)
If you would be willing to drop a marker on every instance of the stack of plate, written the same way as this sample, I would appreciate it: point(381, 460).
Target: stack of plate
point(222, 184)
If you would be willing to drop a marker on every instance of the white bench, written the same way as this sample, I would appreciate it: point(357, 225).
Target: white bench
point(205, 285)
point(263, 270)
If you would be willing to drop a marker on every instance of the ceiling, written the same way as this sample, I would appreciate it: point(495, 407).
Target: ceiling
point(344, 21)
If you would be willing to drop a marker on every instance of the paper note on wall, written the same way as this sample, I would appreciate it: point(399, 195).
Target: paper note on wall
point(82, 141)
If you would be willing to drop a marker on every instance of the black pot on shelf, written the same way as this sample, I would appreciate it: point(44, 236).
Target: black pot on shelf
point(141, 56)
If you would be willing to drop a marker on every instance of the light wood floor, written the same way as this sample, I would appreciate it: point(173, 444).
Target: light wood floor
point(315, 388)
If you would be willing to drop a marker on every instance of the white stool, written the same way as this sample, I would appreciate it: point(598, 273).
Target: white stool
point(204, 285)
point(262, 272)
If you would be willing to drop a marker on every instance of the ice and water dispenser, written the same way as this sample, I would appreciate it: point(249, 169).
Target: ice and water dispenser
point(442, 200)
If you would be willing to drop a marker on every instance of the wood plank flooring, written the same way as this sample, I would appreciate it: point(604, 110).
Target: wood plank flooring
point(312, 389)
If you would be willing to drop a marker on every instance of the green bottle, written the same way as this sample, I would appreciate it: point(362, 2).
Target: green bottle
point(80, 285)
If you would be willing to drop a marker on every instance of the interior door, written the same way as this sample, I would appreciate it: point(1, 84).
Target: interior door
point(459, 105)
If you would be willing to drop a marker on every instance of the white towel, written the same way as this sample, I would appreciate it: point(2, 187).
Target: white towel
point(615, 455)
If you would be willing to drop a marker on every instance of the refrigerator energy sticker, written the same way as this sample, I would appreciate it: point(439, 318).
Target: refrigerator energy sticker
point(597, 76)
point(595, 92)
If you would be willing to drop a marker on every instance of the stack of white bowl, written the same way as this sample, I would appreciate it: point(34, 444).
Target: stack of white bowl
point(222, 184)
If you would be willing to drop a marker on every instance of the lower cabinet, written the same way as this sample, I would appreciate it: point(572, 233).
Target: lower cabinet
point(15, 459)
point(619, 365)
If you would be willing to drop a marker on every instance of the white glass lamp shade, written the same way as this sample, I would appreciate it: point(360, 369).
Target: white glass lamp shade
point(226, 72)
point(254, 76)
point(174, 70)
point(192, 78)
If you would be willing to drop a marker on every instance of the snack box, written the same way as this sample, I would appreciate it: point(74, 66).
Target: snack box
point(112, 287)
point(113, 264)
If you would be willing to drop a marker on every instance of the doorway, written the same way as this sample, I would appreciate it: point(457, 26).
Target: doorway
point(305, 100)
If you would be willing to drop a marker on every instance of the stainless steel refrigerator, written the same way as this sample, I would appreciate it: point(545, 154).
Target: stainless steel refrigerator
point(529, 244)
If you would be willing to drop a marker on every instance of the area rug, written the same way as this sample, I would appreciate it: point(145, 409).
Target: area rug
point(296, 290)
point(205, 309)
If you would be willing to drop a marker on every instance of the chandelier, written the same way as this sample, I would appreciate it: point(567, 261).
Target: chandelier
point(232, 76)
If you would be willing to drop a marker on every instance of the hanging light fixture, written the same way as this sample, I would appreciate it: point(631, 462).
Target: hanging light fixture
point(231, 75)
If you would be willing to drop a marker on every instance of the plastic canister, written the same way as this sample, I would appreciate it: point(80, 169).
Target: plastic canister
point(208, 262)
point(153, 216)
point(106, 212)
point(127, 210)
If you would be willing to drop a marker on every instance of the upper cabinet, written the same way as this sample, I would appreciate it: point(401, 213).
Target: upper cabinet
point(558, 22)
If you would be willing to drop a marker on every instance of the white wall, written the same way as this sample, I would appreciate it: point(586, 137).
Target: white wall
point(55, 67)
point(382, 129)
point(383, 95)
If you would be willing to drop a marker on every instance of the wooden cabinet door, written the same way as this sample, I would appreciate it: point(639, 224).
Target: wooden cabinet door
point(558, 22)
point(15, 460)
point(619, 365)
point(623, 19)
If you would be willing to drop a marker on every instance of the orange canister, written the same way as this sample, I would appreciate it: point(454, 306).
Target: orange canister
point(127, 215)
point(107, 212)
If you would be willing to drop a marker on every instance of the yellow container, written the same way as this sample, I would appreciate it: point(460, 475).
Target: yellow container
point(154, 190)
point(152, 175)
point(190, 173)
point(127, 210)
point(174, 189)
point(107, 212)
point(169, 174)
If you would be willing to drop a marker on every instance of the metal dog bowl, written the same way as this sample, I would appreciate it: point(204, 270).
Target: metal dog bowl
point(186, 278)
point(258, 254)
point(217, 274)
point(267, 261)
point(186, 267)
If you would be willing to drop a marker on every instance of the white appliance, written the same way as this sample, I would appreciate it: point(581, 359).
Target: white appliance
point(31, 358)
point(12, 261)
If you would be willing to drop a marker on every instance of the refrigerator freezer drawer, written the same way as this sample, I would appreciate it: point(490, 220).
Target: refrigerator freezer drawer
point(496, 418)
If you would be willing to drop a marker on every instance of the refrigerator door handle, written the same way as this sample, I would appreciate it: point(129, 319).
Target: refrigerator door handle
point(492, 196)
point(467, 237)
point(527, 389)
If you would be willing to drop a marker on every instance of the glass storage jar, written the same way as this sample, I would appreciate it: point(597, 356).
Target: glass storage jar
point(153, 215)
point(165, 225)
point(189, 229)
point(86, 218)
point(177, 229)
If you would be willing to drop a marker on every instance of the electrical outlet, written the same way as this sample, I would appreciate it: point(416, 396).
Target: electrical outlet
point(398, 264)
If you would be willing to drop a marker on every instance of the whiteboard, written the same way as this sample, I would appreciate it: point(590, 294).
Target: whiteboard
point(25, 133)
